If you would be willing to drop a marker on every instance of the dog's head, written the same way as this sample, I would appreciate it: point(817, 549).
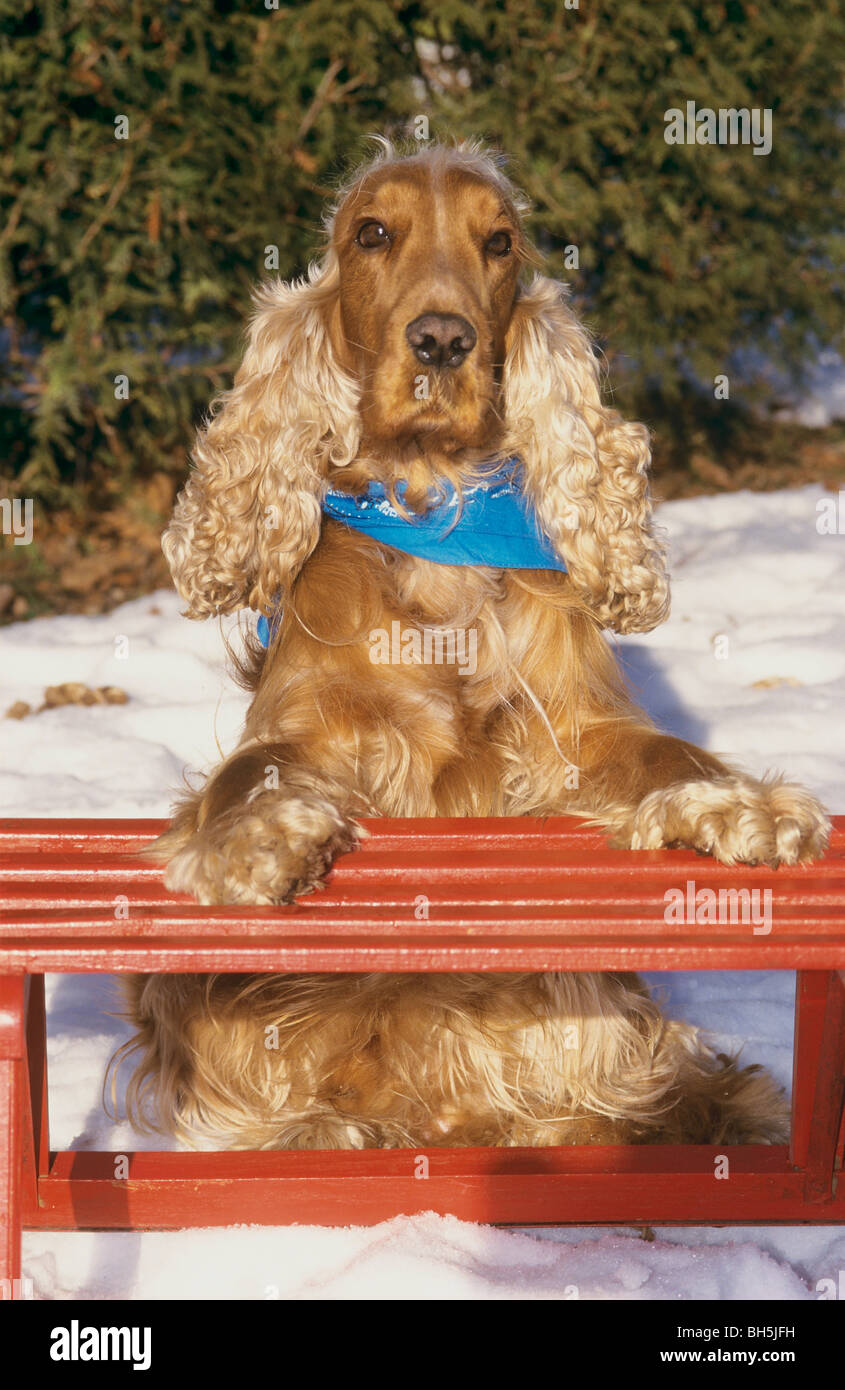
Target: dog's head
point(415, 348)
point(429, 249)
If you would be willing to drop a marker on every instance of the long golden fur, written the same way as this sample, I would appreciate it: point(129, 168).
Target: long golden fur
point(329, 394)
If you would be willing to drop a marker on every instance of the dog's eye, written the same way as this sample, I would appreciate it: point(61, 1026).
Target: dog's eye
point(499, 244)
point(372, 234)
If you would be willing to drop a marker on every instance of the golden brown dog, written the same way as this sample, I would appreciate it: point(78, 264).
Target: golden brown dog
point(421, 351)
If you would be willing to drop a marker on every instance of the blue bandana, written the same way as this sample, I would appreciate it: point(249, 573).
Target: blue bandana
point(493, 527)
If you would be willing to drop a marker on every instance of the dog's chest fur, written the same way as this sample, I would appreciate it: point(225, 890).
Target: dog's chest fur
point(489, 609)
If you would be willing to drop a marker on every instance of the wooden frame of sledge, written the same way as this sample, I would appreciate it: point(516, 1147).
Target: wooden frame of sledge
point(500, 894)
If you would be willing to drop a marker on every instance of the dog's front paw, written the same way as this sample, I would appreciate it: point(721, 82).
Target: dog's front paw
point(279, 848)
point(737, 820)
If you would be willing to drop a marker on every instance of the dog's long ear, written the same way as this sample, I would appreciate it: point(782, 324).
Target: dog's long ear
point(249, 514)
point(584, 466)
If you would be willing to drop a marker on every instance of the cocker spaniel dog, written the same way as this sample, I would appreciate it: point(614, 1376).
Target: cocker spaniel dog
point(416, 443)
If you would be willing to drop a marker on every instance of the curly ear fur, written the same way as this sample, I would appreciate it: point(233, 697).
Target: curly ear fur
point(249, 515)
point(585, 467)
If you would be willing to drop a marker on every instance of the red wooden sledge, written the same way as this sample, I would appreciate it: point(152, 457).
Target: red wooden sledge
point(421, 895)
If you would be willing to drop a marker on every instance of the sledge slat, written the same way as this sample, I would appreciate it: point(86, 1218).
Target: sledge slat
point(420, 895)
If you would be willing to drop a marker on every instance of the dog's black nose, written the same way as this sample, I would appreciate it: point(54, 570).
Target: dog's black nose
point(441, 340)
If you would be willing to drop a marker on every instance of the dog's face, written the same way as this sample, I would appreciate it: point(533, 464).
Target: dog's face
point(429, 256)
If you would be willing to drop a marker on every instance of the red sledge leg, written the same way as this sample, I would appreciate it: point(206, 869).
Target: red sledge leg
point(11, 1082)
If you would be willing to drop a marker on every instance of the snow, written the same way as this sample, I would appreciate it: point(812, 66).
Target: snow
point(751, 664)
point(436, 1257)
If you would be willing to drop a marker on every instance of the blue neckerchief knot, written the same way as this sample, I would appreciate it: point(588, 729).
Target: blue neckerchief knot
point(494, 526)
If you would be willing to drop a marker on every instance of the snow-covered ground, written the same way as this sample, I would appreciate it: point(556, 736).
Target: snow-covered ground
point(751, 664)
